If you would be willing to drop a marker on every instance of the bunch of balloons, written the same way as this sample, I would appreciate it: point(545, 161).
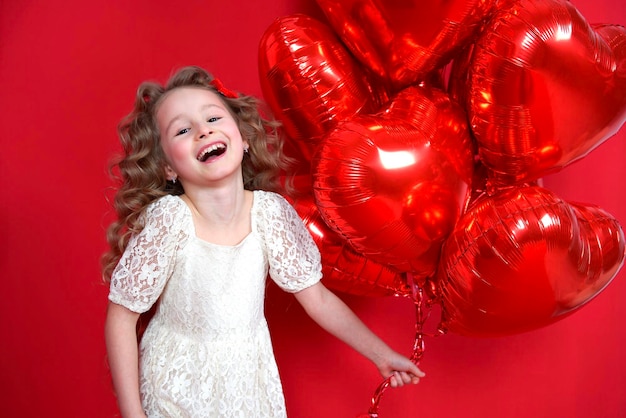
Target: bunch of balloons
point(422, 131)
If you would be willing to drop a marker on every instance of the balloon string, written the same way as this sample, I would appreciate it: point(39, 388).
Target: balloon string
point(418, 347)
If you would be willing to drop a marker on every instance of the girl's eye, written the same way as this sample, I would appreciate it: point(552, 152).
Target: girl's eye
point(213, 119)
point(182, 131)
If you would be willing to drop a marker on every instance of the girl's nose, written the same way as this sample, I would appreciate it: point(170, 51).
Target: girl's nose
point(204, 131)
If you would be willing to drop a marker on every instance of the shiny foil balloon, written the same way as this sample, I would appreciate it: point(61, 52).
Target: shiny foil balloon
point(403, 41)
point(310, 81)
point(394, 184)
point(344, 269)
point(544, 88)
point(522, 259)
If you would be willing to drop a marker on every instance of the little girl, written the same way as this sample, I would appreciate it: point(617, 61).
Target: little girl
point(200, 225)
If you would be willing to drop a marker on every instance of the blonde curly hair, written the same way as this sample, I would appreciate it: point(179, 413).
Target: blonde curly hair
point(140, 173)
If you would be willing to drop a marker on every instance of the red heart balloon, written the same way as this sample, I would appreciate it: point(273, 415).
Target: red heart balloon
point(394, 184)
point(403, 41)
point(344, 269)
point(522, 259)
point(310, 81)
point(544, 88)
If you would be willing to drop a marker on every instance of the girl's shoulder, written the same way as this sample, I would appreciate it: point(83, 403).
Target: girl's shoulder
point(271, 202)
point(167, 207)
point(272, 208)
point(269, 197)
point(169, 201)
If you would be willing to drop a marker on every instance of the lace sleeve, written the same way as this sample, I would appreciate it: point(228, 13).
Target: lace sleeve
point(147, 263)
point(294, 259)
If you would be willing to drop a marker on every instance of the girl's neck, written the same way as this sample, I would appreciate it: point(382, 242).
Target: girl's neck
point(221, 216)
point(218, 206)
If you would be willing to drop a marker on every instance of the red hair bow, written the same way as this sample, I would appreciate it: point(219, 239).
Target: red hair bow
point(223, 90)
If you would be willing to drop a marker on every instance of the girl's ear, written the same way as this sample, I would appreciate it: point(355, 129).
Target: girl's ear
point(169, 173)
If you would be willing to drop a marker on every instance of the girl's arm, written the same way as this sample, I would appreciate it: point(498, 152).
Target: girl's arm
point(121, 342)
point(332, 314)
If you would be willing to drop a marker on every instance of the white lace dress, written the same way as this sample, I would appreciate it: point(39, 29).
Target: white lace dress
point(207, 351)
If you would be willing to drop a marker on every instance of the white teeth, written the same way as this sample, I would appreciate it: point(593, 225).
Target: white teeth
point(205, 153)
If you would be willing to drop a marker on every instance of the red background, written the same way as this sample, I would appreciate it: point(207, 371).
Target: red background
point(69, 71)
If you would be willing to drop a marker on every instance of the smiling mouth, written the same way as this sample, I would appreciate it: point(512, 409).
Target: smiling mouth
point(212, 151)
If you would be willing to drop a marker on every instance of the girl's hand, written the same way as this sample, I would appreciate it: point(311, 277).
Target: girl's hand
point(400, 370)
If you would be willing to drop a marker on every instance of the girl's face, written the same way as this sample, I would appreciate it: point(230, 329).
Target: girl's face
point(200, 138)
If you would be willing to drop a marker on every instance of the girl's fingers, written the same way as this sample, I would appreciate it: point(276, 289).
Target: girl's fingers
point(399, 379)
